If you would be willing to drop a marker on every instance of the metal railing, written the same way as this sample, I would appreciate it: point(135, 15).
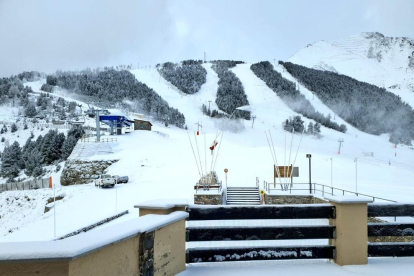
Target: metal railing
point(314, 188)
point(102, 140)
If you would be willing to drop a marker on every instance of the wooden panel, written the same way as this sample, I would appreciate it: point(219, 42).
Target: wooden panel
point(284, 171)
point(390, 210)
point(314, 211)
point(390, 229)
point(200, 255)
point(390, 250)
point(258, 233)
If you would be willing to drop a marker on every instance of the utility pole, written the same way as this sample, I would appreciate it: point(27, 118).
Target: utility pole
point(340, 145)
point(253, 117)
point(204, 57)
point(198, 127)
point(98, 129)
point(209, 102)
point(310, 172)
point(356, 175)
point(331, 173)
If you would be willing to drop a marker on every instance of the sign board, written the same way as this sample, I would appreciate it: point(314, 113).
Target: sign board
point(286, 172)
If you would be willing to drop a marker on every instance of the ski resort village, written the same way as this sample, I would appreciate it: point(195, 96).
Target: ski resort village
point(206, 165)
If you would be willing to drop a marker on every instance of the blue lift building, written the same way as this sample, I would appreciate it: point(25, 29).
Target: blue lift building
point(116, 123)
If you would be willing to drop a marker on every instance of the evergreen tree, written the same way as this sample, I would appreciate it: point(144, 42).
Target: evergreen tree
point(13, 127)
point(310, 128)
point(317, 128)
point(11, 161)
point(68, 146)
point(30, 110)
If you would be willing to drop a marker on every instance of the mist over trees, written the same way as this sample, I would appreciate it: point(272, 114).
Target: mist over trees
point(113, 87)
point(45, 150)
point(365, 106)
point(298, 125)
point(230, 92)
point(187, 76)
point(287, 91)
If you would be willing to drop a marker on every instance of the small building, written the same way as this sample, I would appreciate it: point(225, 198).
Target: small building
point(142, 125)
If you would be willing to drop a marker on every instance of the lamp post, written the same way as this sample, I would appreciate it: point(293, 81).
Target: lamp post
point(310, 172)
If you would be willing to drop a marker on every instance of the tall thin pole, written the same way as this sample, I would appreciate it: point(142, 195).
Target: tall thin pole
point(54, 209)
point(331, 173)
point(310, 175)
point(356, 174)
point(253, 117)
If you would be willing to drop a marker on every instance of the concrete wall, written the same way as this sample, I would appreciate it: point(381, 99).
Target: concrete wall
point(116, 259)
point(293, 199)
point(54, 268)
point(169, 249)
point(157, 252)
point(208, 199)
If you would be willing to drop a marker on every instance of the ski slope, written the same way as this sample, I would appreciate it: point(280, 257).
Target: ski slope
point(163, 167)
point(350, 56)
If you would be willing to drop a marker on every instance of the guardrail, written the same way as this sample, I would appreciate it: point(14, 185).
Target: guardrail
point(314, 188)
point(102, 140)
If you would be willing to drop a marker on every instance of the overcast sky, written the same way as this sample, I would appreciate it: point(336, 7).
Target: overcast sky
point(47, 35)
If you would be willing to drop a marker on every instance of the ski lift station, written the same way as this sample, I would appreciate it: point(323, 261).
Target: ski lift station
point(118, 124)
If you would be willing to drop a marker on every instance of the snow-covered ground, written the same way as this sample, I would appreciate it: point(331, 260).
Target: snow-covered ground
point(162, 167)
point(376, 266)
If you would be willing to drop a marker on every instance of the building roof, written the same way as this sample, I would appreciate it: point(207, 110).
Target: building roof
point(138, 120)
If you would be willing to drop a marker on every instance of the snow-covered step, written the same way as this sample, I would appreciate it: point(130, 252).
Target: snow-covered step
point(242, 196)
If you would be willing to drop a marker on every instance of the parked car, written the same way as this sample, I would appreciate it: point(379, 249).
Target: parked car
point(105, 180)
point(121, 179)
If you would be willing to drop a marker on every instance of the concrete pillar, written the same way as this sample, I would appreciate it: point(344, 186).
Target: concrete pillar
point(162, 251)
point(161, 207)
point(351, 235)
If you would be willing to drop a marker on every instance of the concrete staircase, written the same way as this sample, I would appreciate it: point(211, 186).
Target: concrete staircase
point(243, 196)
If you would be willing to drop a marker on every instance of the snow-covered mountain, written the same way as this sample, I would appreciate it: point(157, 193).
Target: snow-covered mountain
point(370, 57)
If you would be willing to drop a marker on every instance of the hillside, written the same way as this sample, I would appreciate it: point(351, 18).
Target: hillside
point(370, 57)
point(163, 166)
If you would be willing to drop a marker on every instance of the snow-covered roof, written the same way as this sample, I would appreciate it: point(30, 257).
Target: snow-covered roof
point(82, 244)
point(349, 199)
point(163, 204)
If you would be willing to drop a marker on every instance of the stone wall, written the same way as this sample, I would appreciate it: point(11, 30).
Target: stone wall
point(208, 199)
point(292, 199)
point(82, 172)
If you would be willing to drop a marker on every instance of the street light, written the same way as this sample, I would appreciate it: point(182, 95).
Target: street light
point(310, 172)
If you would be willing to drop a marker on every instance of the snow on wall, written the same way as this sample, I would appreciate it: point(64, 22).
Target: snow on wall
point(88, 242)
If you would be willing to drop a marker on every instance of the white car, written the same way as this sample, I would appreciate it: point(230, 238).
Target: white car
point(105, 180)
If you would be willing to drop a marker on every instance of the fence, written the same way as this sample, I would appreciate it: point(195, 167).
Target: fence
point(27, 185)
point(348, 232)
point(391, 249)
point(94, 140)
point(319, 189)
point(243, 233)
